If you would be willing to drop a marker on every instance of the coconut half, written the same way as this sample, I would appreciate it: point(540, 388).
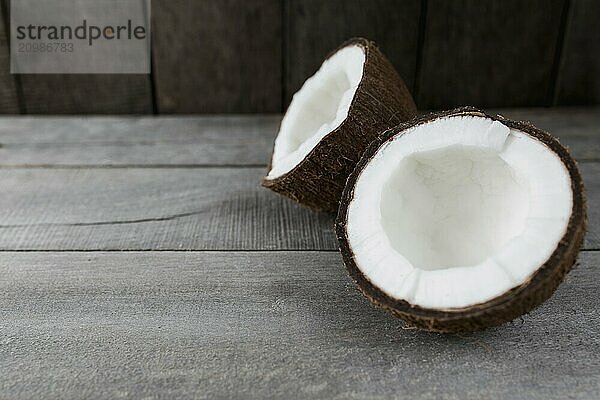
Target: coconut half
point(458, 221)
point(355, 95)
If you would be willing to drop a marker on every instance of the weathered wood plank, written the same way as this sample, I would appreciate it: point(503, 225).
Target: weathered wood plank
point(217, 56)
point(267, 325)
point(314, 28)
point(215, 140)
point(174, 208)
point(180, 208)
point(578, 81)
point(488, 53)
point(9, 102)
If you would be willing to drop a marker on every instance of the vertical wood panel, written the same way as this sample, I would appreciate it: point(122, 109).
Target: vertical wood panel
point(489, 53)
point(579, 75)
point(85, 93)
point(217, 56)
point(315, 27)
point(226, 56)
point(9, 103)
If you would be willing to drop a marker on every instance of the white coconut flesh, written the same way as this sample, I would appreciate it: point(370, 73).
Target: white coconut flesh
point(457, 211)
point(318, 108)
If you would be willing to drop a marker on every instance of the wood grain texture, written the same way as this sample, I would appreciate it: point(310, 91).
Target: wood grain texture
point(165, 141)
point(213, 140)
point(313, 28)
point(578, 80)
point(87, 94)
point(9, 102)
point(489, 53)
point(171, 209)
point(217, 56)
point(267, 325)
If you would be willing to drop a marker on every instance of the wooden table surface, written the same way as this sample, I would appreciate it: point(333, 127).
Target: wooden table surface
point(141, 259)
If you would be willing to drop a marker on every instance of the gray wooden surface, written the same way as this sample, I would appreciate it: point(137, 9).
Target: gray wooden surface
point(140, 259)
point(146, 141)
point(267, 325)
point(213, 140)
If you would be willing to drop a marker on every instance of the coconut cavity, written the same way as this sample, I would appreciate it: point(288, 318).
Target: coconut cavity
point(319, 107)
point(452, 207)
point(455, 212)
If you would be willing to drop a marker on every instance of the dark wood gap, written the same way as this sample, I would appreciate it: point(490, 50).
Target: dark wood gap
point(5, 11)
point(420, 45)
point(152, 66)
point(565, 21)
point(285, 20)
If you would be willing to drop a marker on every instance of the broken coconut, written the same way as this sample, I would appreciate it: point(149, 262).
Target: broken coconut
point(354, 96)
point(459, 221)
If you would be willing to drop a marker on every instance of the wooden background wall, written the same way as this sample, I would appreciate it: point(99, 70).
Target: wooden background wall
point(250, 56)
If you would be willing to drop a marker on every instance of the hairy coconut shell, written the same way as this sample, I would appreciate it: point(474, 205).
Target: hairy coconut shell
point(517, 301)
point(381, 101)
